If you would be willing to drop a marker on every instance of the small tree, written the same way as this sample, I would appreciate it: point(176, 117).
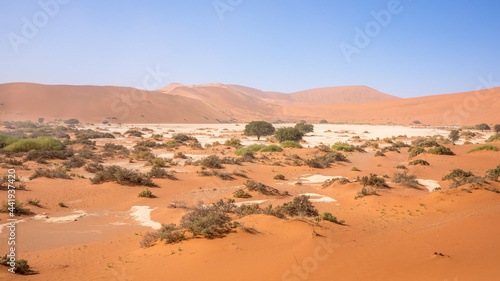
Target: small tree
point(288, 133)
point(483, 127)
point(454, 135)
point(305, 128)
point(105, 122)
point(259, 128)
point(496, 128)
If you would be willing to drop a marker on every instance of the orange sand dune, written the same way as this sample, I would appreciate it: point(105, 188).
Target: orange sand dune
point(467, 108)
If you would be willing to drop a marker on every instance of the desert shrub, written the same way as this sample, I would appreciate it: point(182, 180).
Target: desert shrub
point(493, 138)
point(425, 142)
point(149, 143)
point(271, 148)
point(15, 207)
point(493, 174)
point(379, 153)
point(6, 140)
point(355, 169)
point(180, 155)
point(414, 151)
point(457, 173)
point(209, 222)
point(144, 154)
point(222, 175)
point(304, 127)
point(483, 147)
point(122, 176)
point(288, 133)
point(148, 239)
point(253, 148)
point(34, 202)
point(290, 144)
point(183, 138)
point(440, 150)
point(158, 162)
point(329, 217)
point(319, 162)
point(72, 121)
point(329, 182)
point(146, 193)
point(211, 161)
point(230, 160)
point(177, 204)
point(279, 177)
point(419, 162)
point(300, 206)
point(401, 167)
point(454, 135)
point(483, 127)
point(157, 137)
point(399, 144)
point(94, 167)
point(373, 180)
point(366, 192)
point(343, 146)
point(240, 193)
point(133, 133)
point(323, 121)
point(75, 161)
point(233, 142)
point(45, 154)
point(90, 134)
point(59, 173)
point(406, 180)
point(324, 148)
point(171, 234)
point(460, 177)
point(26, 145)
point(111, 149)
point(389, 148)
point(20, 266)
point(252, 185)
point(159, 173)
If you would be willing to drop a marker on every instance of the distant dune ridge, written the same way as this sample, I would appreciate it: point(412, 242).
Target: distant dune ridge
point(214, 103)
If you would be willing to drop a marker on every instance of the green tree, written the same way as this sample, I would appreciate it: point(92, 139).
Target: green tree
point(288, 133)
point(323, 121)
point(454, 135)
point(72, 121)
point(259, 128)
point(305, 128)
point(496, 128)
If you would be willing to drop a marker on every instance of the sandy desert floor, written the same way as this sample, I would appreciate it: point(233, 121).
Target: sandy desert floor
point(401, 233)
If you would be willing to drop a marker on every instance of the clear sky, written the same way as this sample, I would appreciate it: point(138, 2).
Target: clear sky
point(426, 47)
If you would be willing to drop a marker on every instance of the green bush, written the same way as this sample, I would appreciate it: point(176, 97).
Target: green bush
point(300, 206)
point(6, 140)
point(252, 185)
point(75, 162)
point(240, 193)
point(493, 138)
point(414, 151)
point(20, 266)
point(483, 127)
point(379, 153)
point(159, 173)
point(329, 217)
point(133, 133)
point(457, 173)
point(72, 121)
point(45, 154)
point(355, 169)
point(271, 148)
point(425, 142)
point(483, 147)
point(209, 222)
point(288, 134)
point(15, 207)
point(279, 177)
point(26, 145)
point(440, 150)
point(233, 142)
point(146, 193)
point(401, 167)
point(290, 144)
point(419, 162)
point(343, 146)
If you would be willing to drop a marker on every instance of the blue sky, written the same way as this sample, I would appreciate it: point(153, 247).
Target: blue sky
point(425, 48)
